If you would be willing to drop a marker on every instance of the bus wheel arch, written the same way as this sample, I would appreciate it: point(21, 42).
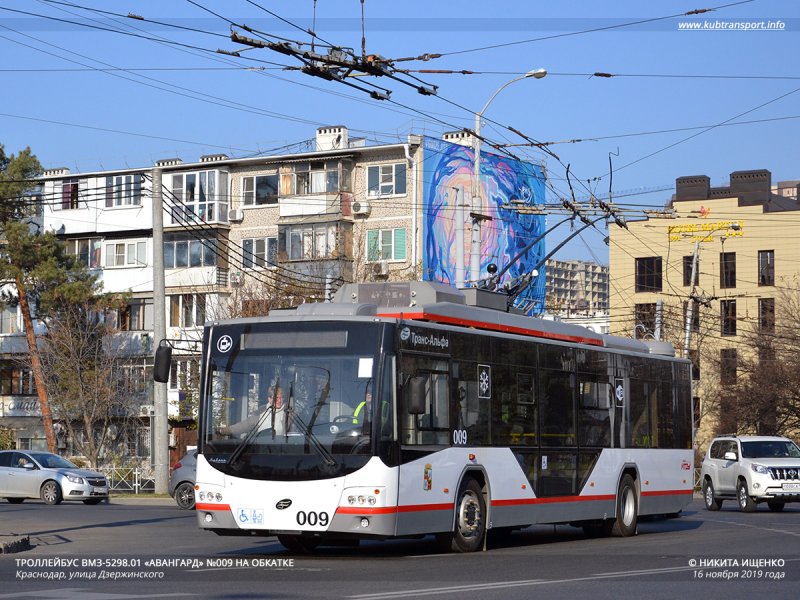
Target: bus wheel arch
point(470, 517)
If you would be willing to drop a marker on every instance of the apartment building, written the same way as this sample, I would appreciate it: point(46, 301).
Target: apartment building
point(576, 287)
point(721, 252)
point(297, 225)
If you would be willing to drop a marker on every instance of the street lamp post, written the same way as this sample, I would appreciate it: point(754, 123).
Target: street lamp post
point(475, 243)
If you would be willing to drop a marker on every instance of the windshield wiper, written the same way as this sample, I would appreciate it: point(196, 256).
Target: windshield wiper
point(294, 418)
point(237, 452)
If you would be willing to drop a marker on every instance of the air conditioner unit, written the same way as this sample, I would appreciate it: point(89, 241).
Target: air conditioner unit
point(361, 207)
point(235, 215)
point(380, 269)
point(237, 277)
point(146, 410)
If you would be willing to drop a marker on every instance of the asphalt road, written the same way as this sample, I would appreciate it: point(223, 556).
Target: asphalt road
point(151, 549)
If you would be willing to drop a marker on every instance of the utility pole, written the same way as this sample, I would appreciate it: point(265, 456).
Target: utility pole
point(459, 245)
point(159, 423)
point(690, 305)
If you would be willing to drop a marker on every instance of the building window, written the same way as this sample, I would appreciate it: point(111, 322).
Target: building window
point(386, 244)
point(86, 251)
point(16, 381)
point(648, 274)
point(727, 366)
point(644, 319)
point(687, 270)
point(136, 316)
point(695, 315)
point(199, 196)
point(386, 180)
point(310, 178)
point(315, 241)
point(126, 254)
point(727, 311)
point(766, 315)
point(727, 269)
point(259, 252)
point(9, 322)
point(694, 356)
point(69, 194)
point(766, 267)
point(187, 310)
point(123, 190)
point(181, 251)
point(184, 374)
point(260, 190)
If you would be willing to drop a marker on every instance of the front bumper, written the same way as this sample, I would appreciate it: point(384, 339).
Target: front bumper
point(84, 491)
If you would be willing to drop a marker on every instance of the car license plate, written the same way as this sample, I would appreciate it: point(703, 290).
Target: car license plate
point(101, 490)
point(791, 486)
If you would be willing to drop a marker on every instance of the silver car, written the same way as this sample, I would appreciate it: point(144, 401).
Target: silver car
point(181, 481)
point(29, 474)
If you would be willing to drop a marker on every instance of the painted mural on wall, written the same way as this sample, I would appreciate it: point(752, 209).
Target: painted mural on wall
point(448, 167)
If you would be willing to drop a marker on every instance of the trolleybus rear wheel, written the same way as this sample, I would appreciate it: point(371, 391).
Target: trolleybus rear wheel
point(627, 514)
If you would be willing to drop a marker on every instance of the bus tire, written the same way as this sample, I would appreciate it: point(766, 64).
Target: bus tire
point(627, 513)
point(299, 544)
point(469, 530)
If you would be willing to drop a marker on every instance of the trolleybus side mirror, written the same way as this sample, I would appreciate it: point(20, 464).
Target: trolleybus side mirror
point(162, 364)
point(416, 395)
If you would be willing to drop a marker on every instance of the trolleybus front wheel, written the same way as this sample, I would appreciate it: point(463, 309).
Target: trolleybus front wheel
point(470, 523)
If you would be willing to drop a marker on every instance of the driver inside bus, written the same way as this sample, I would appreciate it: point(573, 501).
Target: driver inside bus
point(274, 398)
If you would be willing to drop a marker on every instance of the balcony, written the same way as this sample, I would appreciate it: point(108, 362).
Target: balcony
point(306, 205)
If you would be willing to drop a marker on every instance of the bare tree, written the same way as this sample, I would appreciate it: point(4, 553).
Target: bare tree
point(760, 391)
point(81, 361)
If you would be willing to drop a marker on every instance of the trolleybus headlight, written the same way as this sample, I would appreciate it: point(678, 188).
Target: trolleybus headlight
point(218, 497)
point(364, 522)
point(351, 499)
point(201, 495)
point(372, 500)
point(208, 518)
point(361, 499)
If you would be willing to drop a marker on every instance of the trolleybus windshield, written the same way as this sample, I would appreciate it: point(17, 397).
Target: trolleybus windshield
point(291, 403)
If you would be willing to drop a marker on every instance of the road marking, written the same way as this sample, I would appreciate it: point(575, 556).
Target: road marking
point(85, 594)
point(513, 584)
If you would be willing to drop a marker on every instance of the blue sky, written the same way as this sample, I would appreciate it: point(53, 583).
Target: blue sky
point(185, 102)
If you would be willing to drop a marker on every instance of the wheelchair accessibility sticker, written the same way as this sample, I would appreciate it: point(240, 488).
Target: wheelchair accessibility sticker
point(252, 516)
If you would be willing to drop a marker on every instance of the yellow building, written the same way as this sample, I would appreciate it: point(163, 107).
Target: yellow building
point(742, 242)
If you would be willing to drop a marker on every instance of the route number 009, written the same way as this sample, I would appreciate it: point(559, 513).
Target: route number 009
point(312, 519)
point(459, 437)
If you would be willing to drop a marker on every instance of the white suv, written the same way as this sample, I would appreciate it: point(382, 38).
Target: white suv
point(751, 469)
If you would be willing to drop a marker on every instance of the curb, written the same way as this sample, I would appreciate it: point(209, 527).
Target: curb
point(19, 544)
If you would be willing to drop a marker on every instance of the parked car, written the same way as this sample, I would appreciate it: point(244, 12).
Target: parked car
point(28, 474)
point(181, 480)
point(751, 470)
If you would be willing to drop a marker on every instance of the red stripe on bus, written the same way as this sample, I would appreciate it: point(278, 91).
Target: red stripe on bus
point(365, 510)
point(556, 499)
point(668, 493)
point(552, 500)
point(424, 316)
point(424, 507)
point(202, 506)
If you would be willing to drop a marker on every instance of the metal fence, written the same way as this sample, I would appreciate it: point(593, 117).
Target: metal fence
point(130, 480)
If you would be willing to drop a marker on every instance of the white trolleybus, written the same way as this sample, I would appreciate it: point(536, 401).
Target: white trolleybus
point(399, 410)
